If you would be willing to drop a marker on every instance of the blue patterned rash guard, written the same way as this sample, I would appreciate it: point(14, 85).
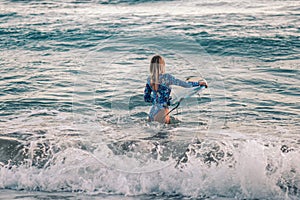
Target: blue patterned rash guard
point(160, 99)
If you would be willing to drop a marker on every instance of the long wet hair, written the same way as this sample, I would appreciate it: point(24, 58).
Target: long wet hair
point(157, 67)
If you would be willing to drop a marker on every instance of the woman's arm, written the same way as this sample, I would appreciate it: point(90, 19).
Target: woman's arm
point(174, 81)
point(147, 93)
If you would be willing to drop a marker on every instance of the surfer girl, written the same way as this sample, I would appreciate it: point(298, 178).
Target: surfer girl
point(157, 90)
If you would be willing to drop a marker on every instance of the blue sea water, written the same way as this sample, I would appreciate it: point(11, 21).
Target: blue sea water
point(73, 123)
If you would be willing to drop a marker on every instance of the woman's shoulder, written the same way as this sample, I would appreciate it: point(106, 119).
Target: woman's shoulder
point(167, 75)
point(167, 78)
point(148, 79)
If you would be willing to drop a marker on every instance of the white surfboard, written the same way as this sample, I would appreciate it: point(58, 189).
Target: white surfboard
point(183, 93)
point(179, 93)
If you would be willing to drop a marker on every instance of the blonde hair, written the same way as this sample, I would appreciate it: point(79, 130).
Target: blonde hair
point(157, 67)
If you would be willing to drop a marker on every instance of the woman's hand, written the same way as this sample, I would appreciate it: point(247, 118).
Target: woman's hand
point(203, 83)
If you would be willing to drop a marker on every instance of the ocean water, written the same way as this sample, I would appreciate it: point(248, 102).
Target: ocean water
point(73, 123)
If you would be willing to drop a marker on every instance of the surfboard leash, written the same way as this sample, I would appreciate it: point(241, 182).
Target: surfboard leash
point(174, 107)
